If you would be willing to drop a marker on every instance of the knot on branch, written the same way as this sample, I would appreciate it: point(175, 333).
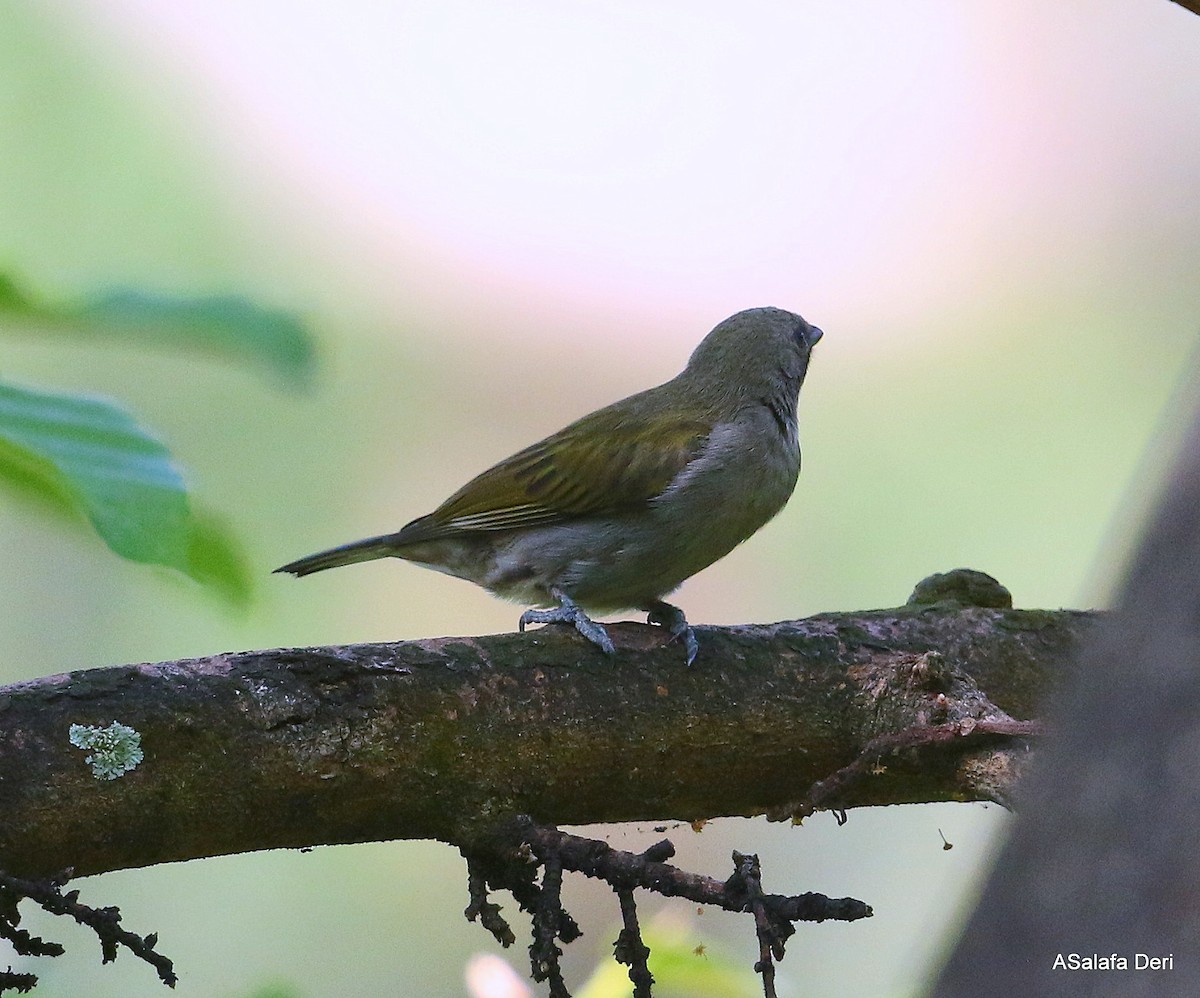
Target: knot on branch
point(964, 586)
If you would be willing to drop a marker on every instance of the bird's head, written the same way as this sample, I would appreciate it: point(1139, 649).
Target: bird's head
point(752, 350)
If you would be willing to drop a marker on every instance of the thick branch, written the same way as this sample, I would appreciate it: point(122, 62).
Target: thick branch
point(441, 738)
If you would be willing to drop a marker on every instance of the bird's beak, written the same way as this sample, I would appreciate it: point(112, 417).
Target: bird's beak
point(814, 334)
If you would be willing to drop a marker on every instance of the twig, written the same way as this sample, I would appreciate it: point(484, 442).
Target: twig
point(618, 868)
point(503, 860)
point(916, 737)
point(105, 922)
point(629, 948)
point(772, 931)
point(10, 980)
point(487, 912)
point(543, 952)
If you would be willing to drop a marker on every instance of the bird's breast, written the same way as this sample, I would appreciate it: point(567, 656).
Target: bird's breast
point(742, 478)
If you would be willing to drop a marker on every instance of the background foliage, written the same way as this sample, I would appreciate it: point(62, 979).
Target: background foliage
point(492, 231)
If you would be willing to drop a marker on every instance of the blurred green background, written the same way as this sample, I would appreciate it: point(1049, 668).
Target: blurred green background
point(496, 218)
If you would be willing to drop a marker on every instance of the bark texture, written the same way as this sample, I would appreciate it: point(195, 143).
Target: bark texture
point(443, 738)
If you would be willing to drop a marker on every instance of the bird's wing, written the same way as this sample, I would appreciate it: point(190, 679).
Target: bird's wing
point(592, 467)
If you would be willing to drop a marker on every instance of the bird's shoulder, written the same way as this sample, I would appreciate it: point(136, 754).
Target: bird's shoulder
point(612, 459)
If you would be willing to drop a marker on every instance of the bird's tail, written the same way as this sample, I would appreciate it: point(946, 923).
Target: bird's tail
point(347, 554)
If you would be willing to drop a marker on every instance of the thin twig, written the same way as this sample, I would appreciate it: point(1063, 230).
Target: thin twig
point(105, 922)
point(917, 737)
point(618, 868)
point(771, 931)
point(543, 952)
point(503, 859)
point(487, 912)
point(629, 948)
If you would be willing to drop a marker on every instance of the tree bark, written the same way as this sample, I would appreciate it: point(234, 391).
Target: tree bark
point(443, 738)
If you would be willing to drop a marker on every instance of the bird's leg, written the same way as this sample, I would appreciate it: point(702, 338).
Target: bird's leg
point(569, 612)
point(672, 618)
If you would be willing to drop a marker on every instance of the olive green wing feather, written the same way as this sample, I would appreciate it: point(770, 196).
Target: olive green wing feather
point(603, 463)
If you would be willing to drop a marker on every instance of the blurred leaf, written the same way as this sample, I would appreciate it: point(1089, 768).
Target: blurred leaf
point(275, 991)
point(225, 326)
point(678, 969)
point(682, 971)
point(93, 454)
point(12, 301)
point(215, 557)
point(88, 455)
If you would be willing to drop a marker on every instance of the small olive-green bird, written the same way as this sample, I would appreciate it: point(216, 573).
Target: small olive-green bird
point(616, 510)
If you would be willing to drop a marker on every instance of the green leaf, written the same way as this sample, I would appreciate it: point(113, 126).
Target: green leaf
point(13, 300)
point(679, 967)
point(224, 326)
point(88, 455)
point(215, 558)
point(92, 454)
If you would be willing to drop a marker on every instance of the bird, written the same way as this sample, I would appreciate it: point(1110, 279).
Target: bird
point(614, 511)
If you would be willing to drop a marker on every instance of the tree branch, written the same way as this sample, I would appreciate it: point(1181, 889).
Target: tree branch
point(512, 854)
point(104, 922)
point(443, 738)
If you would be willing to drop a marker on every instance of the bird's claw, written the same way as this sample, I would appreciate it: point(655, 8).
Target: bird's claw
point(672, 618)
point(569, 612)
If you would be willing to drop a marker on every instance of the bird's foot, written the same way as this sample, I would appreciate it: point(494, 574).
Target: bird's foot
point(672, 618)
point(569, 612)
